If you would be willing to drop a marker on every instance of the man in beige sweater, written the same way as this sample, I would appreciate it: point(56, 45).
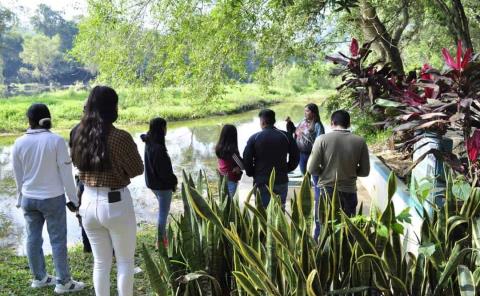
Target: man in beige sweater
point(338, 158)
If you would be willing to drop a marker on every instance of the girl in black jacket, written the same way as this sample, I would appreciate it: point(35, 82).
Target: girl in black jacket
point(159, 175)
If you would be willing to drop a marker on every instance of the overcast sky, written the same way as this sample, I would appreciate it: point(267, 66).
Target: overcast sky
point(27, 7)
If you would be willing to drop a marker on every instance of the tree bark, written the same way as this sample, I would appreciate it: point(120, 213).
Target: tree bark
point(386, 43)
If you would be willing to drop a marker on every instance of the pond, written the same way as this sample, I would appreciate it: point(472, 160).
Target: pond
point(191, 147)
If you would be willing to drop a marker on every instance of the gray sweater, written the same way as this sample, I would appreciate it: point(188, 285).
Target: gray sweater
point(340, 157)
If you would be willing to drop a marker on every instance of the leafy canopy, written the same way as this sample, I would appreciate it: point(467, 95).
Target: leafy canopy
point(195, 43)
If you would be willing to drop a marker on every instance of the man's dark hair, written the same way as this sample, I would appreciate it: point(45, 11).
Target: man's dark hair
point(341, 118)
point(268, 116)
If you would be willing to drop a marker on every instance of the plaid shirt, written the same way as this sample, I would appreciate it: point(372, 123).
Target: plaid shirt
point(126, 162)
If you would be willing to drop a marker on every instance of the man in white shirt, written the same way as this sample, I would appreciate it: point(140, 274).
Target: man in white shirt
point(43, 173)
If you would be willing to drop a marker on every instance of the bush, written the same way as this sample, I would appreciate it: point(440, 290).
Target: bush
point(219, 248)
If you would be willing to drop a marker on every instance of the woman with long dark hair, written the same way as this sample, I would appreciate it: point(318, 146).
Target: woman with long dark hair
point(306, 132)
point(159, 176)
point(43, 174)
point(229, 161)
point(107, 158)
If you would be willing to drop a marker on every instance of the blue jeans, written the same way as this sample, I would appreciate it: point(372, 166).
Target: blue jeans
point(36, 212)
point(280, 189)
point(232, 188)
point(164, 198)
point(348, 202)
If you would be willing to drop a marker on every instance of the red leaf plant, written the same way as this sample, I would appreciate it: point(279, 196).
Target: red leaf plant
point(461, 63)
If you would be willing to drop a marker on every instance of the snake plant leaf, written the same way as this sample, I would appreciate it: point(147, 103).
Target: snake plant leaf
point(201, 275)
point(258, 214)
point(350, 291)
point(271, 256)
point(202, 208)
point(313, 288)
point(255, 279)
point(360, 237)
point(271, 183)
point(419, 276)
point(392, 186)
point(455, 259)
point(476, 277)
point(465, 281)
point(380, 268)
point(245, 283)
point(305, 199)
point(155, 276)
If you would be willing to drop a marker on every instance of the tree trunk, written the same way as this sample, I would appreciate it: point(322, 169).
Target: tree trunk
point(386, 43)
point(457, 21)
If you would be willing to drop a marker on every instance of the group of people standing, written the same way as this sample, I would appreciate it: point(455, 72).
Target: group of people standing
point(107, 158)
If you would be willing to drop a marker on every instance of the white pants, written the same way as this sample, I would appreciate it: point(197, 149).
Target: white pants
point(110, 226)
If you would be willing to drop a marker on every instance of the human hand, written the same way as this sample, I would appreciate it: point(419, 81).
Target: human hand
point(71, 207)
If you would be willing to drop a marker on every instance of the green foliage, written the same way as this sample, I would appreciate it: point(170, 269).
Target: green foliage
point(271, 252)
point(16, 275)
point(50, 23)
point(199, 44)
point(40, 52)
point(171, 103)
point(363, 121)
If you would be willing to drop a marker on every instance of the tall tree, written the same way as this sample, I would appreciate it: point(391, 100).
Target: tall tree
point(452, 14)
point(40, 52)
point(50, 23)
point(194, 42)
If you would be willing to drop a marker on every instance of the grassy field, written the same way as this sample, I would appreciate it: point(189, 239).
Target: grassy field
point(138, 106)
point(16, 277)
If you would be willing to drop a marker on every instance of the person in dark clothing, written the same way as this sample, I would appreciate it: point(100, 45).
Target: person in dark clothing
point(87, 248)
point(159, 176)
point(269, 149)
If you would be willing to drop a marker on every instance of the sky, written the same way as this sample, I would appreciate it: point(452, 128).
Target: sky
point(26, 8)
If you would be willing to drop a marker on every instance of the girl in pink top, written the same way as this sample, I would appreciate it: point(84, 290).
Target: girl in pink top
point(229, 161)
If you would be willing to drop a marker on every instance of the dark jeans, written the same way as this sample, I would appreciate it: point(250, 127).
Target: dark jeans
point(348, 202)
point(280, 189)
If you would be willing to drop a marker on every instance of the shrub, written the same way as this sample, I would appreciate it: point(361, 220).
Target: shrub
point(218, 247)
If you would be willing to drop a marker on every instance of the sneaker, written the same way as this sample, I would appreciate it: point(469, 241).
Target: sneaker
point(48, 280)
point(71, 286)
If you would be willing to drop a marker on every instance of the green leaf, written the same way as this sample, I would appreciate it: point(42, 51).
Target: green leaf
point(245, 283)
point(397, 228)
point(392, 185)
point(461, 190)
point(382, 230)
point(388, 103)
point(154, 275)
point(405, 216)
point(465, 281)
point(427, 249)
point(455, 258)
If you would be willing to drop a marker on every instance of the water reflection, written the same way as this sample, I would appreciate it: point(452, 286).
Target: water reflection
point(191, 147)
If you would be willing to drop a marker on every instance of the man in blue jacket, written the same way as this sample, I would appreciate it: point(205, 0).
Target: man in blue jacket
point(268, 149)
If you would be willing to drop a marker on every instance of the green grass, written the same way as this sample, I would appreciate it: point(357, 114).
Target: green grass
point(16, 277)
point(138, 106)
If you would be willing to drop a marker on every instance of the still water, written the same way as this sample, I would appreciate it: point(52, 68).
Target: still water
point(191, 148)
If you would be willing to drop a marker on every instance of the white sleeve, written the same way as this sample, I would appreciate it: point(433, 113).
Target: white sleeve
point(18, 174)
point(64, 163)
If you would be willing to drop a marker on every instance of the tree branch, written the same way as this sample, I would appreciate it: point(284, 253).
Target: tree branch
point(405, 18)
